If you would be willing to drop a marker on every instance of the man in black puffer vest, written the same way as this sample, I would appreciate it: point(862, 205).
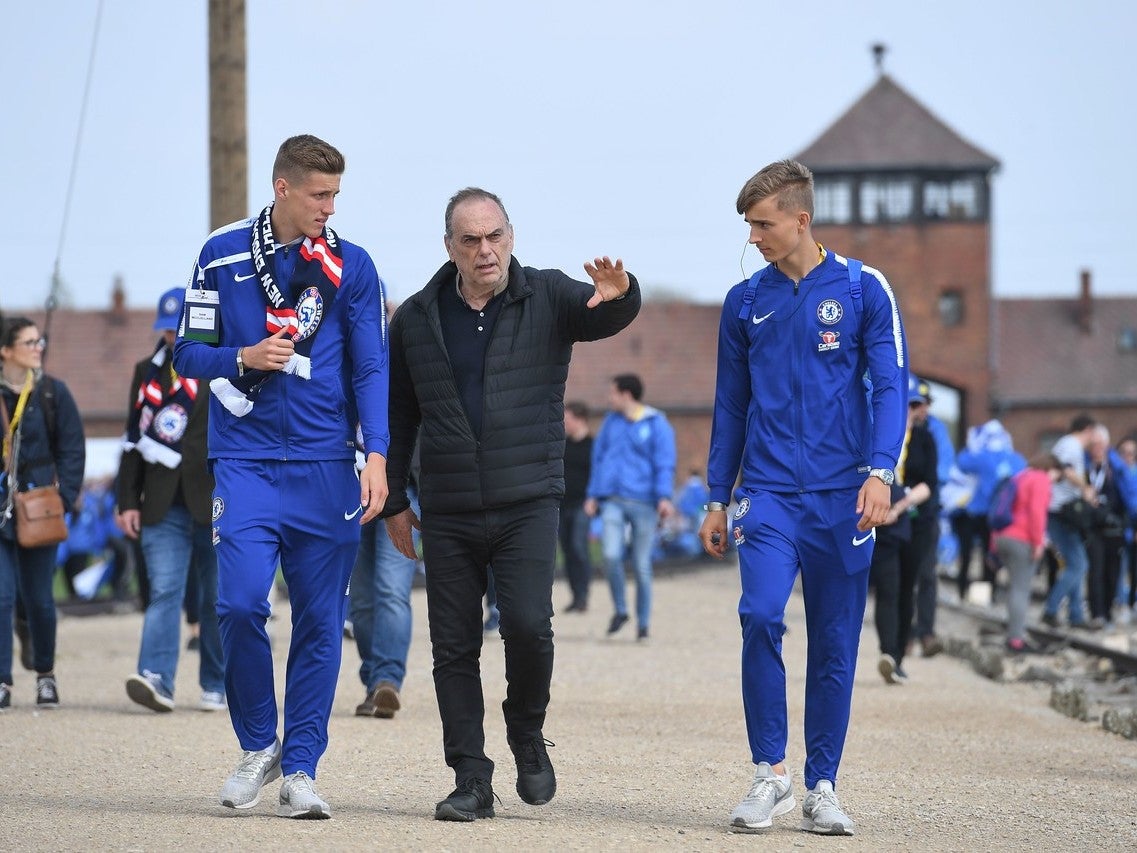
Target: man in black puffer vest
point(479, 359)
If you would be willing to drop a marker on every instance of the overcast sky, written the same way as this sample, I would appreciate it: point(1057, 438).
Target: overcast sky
point(607, 127)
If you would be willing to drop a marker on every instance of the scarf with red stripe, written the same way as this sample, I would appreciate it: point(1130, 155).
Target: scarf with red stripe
point(157, 424)
point(299, 308)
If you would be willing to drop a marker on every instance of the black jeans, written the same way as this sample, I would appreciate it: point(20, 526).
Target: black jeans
point(918, 560)
point(519, 541)
point(968, 528)
point(1104, 553)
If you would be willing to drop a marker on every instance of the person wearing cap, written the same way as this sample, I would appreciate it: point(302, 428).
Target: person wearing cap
point(917, 472)
point(164, 494)
point(924, 627)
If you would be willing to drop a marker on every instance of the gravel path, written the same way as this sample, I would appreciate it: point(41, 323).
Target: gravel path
point(651, 752)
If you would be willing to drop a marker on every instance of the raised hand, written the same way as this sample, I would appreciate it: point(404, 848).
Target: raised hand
point(609, 278)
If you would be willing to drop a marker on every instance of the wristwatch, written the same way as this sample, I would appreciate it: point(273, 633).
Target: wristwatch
point(885, 475)
point(714, 506)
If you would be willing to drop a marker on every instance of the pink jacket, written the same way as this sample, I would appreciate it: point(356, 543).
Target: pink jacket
point(1028, 515)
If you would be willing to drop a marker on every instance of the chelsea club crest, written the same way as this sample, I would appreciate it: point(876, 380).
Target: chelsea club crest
point(309, 312)
point(830, 312)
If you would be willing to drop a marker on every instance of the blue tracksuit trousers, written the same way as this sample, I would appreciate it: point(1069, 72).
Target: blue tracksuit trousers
point(304, 516)
point(777, 535)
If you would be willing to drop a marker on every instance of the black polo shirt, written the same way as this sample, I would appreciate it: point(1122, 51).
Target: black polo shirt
point(466, 332)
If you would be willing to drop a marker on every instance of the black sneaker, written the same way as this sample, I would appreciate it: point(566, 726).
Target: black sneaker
point(471, 800)
point(617, 623)
point(536, 782)
point(5, 696)
point(641, 634)
point(1050, 619)
point(47, 692)
point(193, 644)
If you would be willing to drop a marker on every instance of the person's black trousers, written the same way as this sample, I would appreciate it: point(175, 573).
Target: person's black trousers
point(519, 542)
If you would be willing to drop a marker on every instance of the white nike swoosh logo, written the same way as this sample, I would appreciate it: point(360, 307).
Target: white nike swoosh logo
point(758, 319)
point(870, 535)
point(243, 277)
point(348, 516)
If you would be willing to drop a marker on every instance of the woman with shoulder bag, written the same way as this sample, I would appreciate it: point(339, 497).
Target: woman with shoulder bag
point(42, 445)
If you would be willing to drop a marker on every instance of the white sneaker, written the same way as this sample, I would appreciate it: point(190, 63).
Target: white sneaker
point(770, 795)
point(298, 798)
point(887, 668)
point(822, 813)
point(256, 769)
point(211, 700)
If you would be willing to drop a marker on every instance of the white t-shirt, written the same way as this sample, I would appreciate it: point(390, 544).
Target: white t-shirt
point(1070, 453)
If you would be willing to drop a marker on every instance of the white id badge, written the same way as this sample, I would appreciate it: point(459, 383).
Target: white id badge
point(202, 318)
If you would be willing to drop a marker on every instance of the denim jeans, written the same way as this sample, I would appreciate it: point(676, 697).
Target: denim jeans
point(169, 547)
point(380, 606)
point(573, 535)
point(27, 572)
point(1069, 543)
point(642, 516)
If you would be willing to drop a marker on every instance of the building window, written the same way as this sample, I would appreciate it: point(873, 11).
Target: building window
point(958, 198)
point(1127, 339)
point(887, 199)
point(951, 308)
point(833, 202)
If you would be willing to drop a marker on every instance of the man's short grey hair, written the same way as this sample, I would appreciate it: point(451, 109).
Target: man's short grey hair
point(470, 194)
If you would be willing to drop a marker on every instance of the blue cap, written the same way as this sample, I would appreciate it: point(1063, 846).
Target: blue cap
point(170, 309)
point(918, 390)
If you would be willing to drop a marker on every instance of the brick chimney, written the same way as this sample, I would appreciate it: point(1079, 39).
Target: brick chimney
point(1086, 305)
point(117, 314)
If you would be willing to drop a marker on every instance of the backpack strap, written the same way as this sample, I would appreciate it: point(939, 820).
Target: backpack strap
point(855, 285)
point(50, 409)
point(749, 294)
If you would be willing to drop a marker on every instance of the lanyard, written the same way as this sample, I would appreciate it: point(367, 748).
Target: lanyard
point(21, 404)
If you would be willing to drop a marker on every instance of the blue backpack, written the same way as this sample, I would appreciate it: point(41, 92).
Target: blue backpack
point(999, 514)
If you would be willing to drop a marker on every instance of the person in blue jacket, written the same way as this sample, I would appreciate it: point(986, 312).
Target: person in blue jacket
point(633, 476)
point(287, 321)
point(990, 456)
point(817, 457)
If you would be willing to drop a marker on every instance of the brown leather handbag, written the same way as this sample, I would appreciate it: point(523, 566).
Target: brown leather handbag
point(39, 517)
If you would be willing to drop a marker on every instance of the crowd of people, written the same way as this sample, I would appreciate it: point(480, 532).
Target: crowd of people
point(289, 423)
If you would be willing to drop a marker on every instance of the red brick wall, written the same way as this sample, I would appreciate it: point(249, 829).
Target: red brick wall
point(921, 262)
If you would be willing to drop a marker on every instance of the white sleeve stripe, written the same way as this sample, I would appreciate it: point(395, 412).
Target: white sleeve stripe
point(229, 259)
point(897, 337)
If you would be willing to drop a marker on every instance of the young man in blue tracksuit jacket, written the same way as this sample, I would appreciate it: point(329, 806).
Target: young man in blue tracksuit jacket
point(287, 320)
point(633, 475)
point(817, 447)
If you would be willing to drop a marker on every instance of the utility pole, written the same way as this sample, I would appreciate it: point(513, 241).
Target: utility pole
point(228, 139)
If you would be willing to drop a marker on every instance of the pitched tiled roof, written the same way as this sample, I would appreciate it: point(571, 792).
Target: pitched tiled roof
point(889, 129)
point(94, 353)
point(1043, 352)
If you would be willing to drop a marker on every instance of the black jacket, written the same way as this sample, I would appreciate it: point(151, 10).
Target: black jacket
point(151, 487)
point(520, 455)
point(44, 459)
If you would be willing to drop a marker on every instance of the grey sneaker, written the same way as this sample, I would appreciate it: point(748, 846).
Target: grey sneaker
point(256, 769)
point(147, 690)
point(212, 700)
point(5, 696)
point(822, 813)
point(770, 795)
point(298, 798)
point(47, 692)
